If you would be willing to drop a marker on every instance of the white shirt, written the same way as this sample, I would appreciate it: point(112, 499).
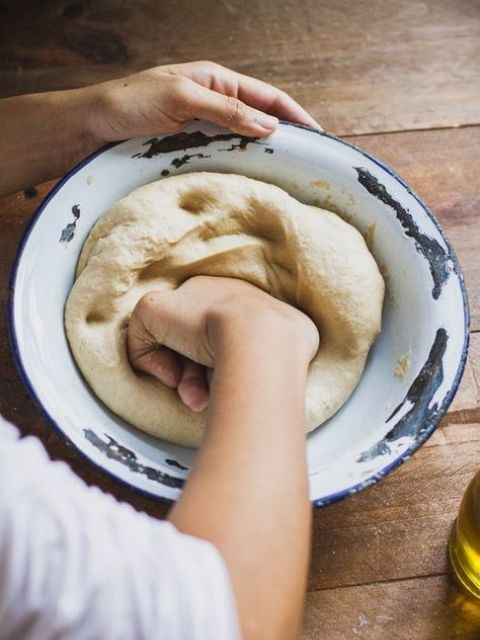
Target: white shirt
point(75, 563)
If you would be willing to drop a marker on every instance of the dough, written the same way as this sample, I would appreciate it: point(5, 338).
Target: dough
point(220, 225)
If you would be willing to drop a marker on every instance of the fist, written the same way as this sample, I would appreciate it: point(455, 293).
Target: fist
point(177, 336)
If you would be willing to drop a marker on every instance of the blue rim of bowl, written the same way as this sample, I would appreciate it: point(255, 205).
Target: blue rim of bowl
point(316, 502)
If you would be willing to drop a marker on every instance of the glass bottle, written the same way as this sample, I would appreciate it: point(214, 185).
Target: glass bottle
point(464, 543)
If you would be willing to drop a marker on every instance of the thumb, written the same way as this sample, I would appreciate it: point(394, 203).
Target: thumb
point(228, 112)
point(166, 319)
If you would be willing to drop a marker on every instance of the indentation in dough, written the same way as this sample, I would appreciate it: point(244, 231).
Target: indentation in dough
point(266, 221)
point(95, 317)
point(196, 200)
point(153, 270)
point(285, 269)
point(369, 235)
point(211, 229)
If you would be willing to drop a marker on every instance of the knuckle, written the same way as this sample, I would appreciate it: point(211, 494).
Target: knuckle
point(282, 94)
point(180, 88)
point(145, 305)
point(235, 110)
point(182, 99)
point(207, 64)
point(152, 73)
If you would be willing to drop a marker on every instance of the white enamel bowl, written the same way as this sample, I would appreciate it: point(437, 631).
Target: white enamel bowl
point(425, 324)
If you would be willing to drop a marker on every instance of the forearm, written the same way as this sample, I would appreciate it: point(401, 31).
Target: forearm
point(248, 493)
point(42, 136)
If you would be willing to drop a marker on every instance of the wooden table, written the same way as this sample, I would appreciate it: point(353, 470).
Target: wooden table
point(400, 80)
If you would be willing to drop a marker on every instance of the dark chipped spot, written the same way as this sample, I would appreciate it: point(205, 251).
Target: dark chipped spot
point(241, 145)
point(30, 193)
point(428, 380)
point(179, 162)
point(115, 451)
point(268, 150)
point(440, 262)
point(379, 449)
point(419, 418)
point(176, 163)
point(182, 141)
point(69, 231)
point(177, 465)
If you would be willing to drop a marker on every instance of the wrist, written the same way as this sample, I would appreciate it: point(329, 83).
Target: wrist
point(74, 110)
point(257, 334)
point(95, 105)
point(31, 153)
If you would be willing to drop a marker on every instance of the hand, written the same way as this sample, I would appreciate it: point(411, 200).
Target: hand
point(167, 98)
point(160, 100)
point(177, 336)
point(252, 461)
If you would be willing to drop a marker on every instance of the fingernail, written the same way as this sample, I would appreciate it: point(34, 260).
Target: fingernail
point(200, 406)
point(196, 404)
point(266, 121)
point(311, 122)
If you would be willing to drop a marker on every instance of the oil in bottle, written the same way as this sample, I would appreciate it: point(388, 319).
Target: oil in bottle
point(464, 543)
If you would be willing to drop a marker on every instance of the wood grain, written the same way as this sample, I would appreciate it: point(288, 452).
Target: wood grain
point(379, 565)
point(466, 404)
point(359, 67)
point(429, 608)
point(398, 529)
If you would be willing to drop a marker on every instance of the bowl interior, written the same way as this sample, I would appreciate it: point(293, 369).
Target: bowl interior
point(413, 368)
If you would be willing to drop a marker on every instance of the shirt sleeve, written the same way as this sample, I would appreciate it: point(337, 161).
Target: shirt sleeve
point(75, 563)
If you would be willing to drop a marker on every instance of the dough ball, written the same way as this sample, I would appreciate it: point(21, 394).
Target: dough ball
point(220, 225)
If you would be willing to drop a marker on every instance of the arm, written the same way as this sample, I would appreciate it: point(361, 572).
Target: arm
point(248, 492)
point(43, 135)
